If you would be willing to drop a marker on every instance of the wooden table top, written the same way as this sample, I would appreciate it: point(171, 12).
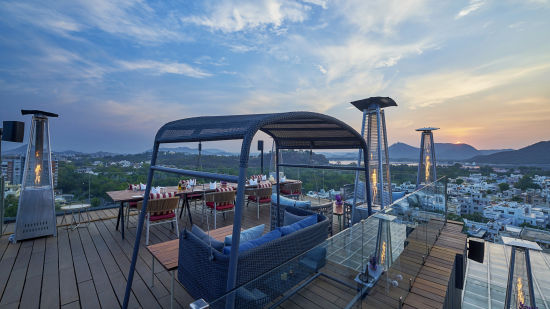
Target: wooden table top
point(167, 252)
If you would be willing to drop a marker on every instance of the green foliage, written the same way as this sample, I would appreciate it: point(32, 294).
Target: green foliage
point(516, 198)
point(10, 206)
point(503, 186)
point(526, 182)
point(459, 181)
point(477, 217)
point(95, 202)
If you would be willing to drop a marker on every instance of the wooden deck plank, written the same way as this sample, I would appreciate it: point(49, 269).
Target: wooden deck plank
point(16, 281)
point(50, 277)
point(6, 265)
point(33, 281)
point(67, 279)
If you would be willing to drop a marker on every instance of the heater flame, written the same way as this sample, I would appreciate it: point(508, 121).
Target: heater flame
point(521, 297)
point(427, 168)
point(37, 173)
point(383, 254)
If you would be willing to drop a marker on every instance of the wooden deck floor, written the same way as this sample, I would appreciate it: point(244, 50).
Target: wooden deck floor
point(87, 267)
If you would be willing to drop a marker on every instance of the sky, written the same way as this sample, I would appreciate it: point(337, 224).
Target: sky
point(117, 70)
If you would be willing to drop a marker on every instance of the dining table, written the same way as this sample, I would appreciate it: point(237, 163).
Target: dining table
point(123, 197)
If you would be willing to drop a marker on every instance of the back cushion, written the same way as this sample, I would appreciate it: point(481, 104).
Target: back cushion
point(289, 229)
point(197, 231)
point(246, 235)
point(156, 196)
point(255, 242)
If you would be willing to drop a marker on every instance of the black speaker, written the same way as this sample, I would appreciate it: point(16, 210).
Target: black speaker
point(476, 250)
point(200, 146)
point(13, 131)
point(260, 145)
point(459, 271)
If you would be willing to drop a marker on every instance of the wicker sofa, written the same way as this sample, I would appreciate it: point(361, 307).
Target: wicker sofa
point(203, 271)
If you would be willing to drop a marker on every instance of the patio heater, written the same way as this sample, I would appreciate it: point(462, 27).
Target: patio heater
point(36, 212)
point(426, 165)
point(519, 289)
point(373, 130)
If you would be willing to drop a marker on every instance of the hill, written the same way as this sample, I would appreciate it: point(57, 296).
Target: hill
point(444, 152)
point(538, 153)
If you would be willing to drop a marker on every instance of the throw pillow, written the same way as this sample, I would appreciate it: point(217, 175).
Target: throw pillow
point(216, 244)
point(246, 235)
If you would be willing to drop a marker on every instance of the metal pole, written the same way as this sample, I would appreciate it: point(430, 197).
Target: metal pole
point(380, 171)
point(356, 184)
point(420, 160)
point(433, 155)
point(530, 279)
point(278, 184)
point(140, 227)
point(510, 279)
point(262, 160)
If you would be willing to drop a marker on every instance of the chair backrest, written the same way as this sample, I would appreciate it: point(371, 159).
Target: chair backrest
point(292, 187)
point(261, 192)
point(220, 197)
point(161, 204)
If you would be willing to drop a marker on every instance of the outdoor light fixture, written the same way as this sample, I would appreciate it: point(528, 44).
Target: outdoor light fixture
point(374, 132)
point(36, 211)
point(426, 165)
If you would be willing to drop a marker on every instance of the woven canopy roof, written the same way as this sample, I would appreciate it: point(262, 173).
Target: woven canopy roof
point(292, 130)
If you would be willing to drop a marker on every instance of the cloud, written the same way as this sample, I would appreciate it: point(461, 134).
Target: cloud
point(436, 88)
point(358, 54)
point(473, 6)
point(157, 67)
point(234, 16)
point(381, 16)
point(322, 69)
point(130, 19)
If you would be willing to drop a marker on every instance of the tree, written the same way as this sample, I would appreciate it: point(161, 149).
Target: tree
point(503, 186)
point(526, 182)
point(459, 181)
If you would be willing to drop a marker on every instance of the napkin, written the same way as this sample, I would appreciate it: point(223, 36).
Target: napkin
point(213, 185)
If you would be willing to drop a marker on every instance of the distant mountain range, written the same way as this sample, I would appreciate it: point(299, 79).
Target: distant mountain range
point(444, 152)
point(538, 153)
point(404, 152)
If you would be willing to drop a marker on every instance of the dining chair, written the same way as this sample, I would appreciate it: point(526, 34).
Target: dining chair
point(160, 210)
point(260, 196)
point(221, 201)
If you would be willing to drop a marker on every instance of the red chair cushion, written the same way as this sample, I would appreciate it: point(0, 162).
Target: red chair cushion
point(220, 207)
point(132, 204)
point(157, 217)
point(262, 200)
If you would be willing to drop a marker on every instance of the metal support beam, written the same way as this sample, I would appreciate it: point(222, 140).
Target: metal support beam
point(530, 279)
point(207, 175)
point(510, 283)
point(140, 227)
point(325, 167)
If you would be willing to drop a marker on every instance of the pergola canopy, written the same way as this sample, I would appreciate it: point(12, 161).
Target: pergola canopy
point(291, 130)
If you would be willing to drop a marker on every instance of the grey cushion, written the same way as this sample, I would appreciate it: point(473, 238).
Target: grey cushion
point(291, 218)
point(246, 235)
point(216, 244)
point(285, 201)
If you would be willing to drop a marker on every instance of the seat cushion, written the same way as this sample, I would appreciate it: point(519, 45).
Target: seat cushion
point(216, 244)
point(289, 229)
point(220, 207)
point(247, 245)
point(246, 235)
point(262, 200)
point(165, 216)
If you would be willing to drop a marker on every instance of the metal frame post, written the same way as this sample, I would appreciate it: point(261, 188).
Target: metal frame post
point(420, 161)
point(530, 279)
point(434, 161)
point(278, 184)
point(140, 226)
point(363, 152)
point(379, 151)
point(510, 279)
